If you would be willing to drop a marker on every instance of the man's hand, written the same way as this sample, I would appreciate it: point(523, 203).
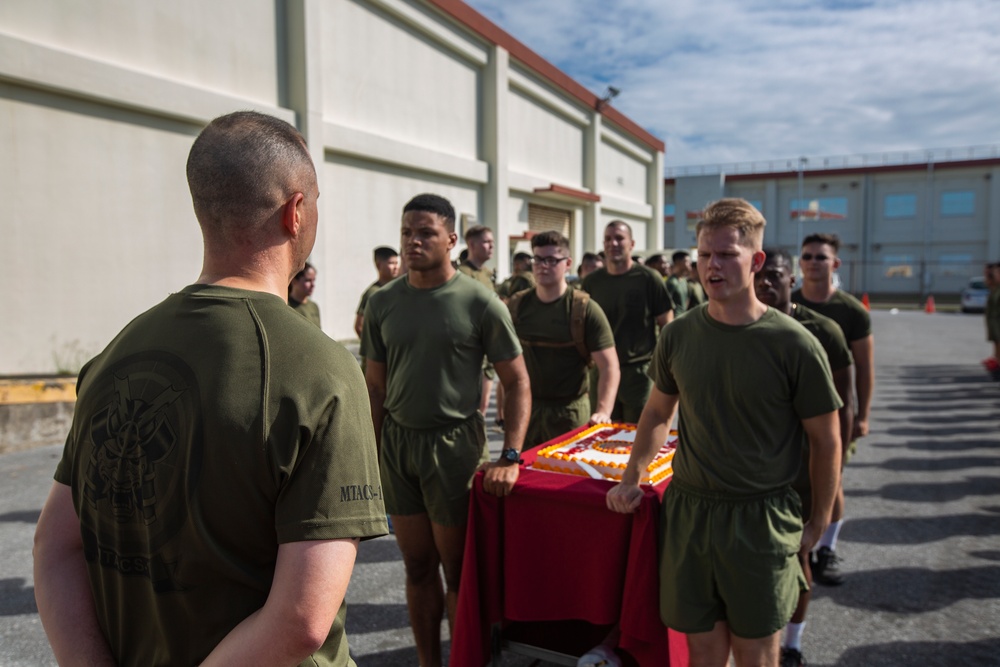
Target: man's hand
point(499, 478)
point(624, 498)
point(860, 429)
point(811, 532)
point(600, 418)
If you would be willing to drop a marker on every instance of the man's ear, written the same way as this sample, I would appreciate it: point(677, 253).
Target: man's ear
point(836, 263)
point(291, 212)
point(452, 240)
point(757, 262)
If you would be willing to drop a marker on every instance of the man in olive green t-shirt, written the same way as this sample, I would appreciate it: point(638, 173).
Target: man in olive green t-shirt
point(773, 285)
point(521, 279)
point(424, 339)
point(751, 383)
point(299, 291)
point(479, 244)
point(221, 466)
point(818, 262)
point(387, 265)
point(636, 303)
point(544, 321)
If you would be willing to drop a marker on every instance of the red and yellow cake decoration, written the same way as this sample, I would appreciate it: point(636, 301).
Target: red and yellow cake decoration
point(605, 448)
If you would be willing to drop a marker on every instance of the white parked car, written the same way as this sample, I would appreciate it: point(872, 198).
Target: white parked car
point(974, 296)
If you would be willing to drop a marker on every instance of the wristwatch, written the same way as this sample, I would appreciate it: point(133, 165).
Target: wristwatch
point(510, 455)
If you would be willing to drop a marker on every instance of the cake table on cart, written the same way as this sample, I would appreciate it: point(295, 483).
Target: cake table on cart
point(549, 570)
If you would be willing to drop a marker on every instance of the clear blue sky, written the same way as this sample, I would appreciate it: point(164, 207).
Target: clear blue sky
point(739, 80)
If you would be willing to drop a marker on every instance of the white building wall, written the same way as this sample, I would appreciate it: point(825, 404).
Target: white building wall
point(101, 100)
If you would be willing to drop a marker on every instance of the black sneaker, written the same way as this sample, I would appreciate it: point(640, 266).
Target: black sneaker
point(792, 657)
point(825, 567)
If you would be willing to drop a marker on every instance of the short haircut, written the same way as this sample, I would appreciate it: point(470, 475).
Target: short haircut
point(301, 274)
point(831, 240)
point(738, 214)
point(549, 238)
point(775, 255)
point(243, 167)
point(620, 223)
point(384, 252)
point(429, 203)
point(680, 256)
point(655, 259)
point(522, 257)
point(476, 231)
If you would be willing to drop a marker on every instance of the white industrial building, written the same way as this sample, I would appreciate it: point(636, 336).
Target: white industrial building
point(101, 100)
point(914, 224)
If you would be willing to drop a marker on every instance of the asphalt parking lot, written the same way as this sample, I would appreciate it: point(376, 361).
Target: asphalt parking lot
point(921, 543)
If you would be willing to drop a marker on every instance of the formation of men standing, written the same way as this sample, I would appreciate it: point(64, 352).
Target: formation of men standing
point(181, 487)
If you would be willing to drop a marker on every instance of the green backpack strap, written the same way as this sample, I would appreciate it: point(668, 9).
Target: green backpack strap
point(578, 323)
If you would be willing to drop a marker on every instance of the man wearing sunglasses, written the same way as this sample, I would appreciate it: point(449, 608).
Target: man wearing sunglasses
point(561, 330)
point(818, 262)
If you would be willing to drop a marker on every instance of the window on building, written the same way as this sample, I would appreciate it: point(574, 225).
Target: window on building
point(757, 204)
point(899, 206)
point(668, 210)
point(898, 266)
point(820, 208)
point(959, 202)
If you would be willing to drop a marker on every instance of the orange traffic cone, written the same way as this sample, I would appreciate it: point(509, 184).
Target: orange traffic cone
point(929, 306)
point(865, 302)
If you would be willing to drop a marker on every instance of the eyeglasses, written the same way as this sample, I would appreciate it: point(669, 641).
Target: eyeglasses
point(806, 257)
point(550, 262)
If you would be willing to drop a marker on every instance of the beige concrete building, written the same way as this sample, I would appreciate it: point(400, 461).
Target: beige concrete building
point(100, 102)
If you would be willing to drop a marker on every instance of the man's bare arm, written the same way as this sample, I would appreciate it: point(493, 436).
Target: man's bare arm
point(500, 478)
point(359, 324)
point(310, 580)
point(864, 363)
point(62, 586)
point(845, 415)
point(607, 384)
point(375, 379)
point(823, 432)
point(663, 319)
point(651, 433)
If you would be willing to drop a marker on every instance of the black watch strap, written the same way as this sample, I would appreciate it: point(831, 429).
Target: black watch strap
point(510, 455)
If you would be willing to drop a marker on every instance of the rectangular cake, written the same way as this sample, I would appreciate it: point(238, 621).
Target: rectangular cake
point(606, 449)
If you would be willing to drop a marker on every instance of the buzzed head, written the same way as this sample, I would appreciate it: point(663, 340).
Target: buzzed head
point(243, 167)
point(738, 214)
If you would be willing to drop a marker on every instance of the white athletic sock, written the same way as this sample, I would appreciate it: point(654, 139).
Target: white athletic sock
point(829, 538)
point(793, 635)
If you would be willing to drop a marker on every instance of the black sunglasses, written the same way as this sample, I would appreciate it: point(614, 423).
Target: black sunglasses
point(809, 256)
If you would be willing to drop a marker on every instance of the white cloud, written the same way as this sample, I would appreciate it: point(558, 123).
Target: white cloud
point(739, 80)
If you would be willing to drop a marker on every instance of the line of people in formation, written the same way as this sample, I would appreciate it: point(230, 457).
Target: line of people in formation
point(225, 457)
point(588, 349)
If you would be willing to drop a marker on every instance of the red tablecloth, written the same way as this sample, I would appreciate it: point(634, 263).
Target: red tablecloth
point(564, 556)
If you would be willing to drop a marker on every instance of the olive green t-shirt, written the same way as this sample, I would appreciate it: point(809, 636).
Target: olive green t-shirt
point(993, 315)
point(827, 333)
point(631, 301)
point(558, 373)
point(679, 294)
point(743, 392)
point(843, 309)
point(308, 310)
point(371, 289)
point(482, 274)
point(432, 342)
point(216, 426)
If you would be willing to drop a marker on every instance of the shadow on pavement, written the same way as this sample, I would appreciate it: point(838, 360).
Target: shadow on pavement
point(25, 516)
point(926, 492)
point(919, 530)
point(16, 597)
point(379, 551)
point(911, 590)
point(365, 617)
point(939, 463)
point(923, 654)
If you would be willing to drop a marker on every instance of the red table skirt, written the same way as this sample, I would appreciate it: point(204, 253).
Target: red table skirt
point(553, 551)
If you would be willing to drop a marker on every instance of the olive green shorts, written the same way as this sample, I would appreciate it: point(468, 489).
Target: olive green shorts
point(633, 392)
point(732, 559)
point(430, 470)
point(552, 418)
point(489, 372)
